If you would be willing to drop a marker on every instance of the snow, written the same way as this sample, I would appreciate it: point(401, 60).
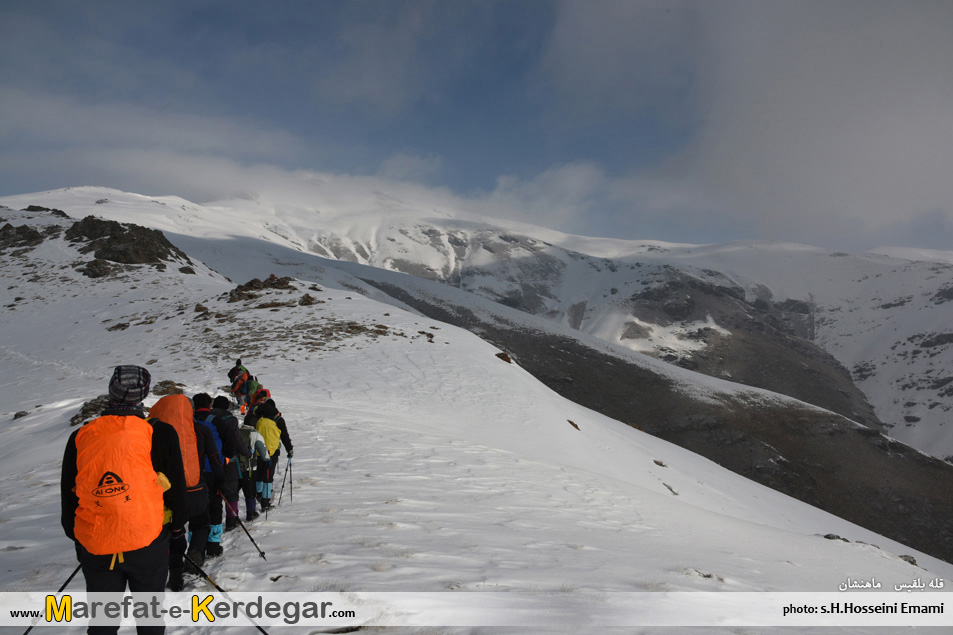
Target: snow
point(423, 462)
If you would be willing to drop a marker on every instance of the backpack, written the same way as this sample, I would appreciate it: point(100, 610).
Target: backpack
point(120, 499)
point(240, 383)
point(250, 437)
point(235, 372)
point(260, 396)
point(252, 385)
point(270, 432)
point(176, 410)
point(207, 421)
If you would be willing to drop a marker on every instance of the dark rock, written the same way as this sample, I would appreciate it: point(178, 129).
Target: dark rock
point(19, 237)
point(98, 268)
point(90, 410)
point(168, 387)
point(123, 242)
point(246, 291)
point(943, 295)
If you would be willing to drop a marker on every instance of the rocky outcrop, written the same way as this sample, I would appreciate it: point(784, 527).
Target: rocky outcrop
point(814, 455)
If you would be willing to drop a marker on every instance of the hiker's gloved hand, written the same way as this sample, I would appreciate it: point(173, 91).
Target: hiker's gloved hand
point(291, 453)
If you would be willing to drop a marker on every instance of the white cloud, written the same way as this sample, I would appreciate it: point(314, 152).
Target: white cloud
point(557, 198)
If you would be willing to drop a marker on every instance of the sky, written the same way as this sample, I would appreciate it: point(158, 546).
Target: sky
point(823, 122)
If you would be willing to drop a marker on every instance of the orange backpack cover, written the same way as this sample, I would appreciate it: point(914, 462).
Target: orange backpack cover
point(120, 498)
point(176, 410)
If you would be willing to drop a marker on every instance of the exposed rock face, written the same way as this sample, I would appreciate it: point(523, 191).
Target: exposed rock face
point(765, 347)
point(22, 236)
point(816, 456)
point(123, 243)
point(719, 328)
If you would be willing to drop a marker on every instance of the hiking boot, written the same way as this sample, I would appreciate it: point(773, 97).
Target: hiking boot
point(198, 558)
point(231, 523)
point(250, 516)
point(175, 582)
point(266, 504)
point(213, 550)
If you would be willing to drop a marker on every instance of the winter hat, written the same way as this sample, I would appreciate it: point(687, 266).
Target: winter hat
point(202, 400)
point(268, 409)
point(221, 402)
point(238, 362)
point(129, 384)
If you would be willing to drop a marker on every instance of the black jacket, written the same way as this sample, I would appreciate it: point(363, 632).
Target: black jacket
point(166, 458)
point(227, 425)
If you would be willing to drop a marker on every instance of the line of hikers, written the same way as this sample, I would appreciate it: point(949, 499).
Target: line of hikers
point(130, 484)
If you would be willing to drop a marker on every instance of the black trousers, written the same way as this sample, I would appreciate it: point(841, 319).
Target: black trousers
point(142, 570)
point(229, 489)
point(198, 527)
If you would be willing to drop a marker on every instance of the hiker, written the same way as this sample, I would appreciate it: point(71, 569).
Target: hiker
point(260, 396)
point(234, 448)
point(271, 426)
point(123, 494)
point(197, 446)
point(228, 482)
point(239, 377)
point(253, 386)
point(256, 400)
point(248, 467)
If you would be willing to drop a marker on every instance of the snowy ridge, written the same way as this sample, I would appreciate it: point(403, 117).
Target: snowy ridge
point(422, 460)
point(883, 315)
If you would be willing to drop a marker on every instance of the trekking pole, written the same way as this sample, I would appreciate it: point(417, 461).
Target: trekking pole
point(59, 590)
point(220, 589)
point(287, 469)
point(242, 525)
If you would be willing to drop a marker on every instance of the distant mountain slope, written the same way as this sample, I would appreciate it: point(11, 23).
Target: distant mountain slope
point(809, 453)
point(765, 314)
point(423, 462)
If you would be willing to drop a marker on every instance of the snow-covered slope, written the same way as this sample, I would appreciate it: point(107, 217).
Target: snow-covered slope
point(884, 316)
point(423, 461)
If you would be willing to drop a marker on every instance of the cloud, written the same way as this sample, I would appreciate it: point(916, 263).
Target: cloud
point(411, 166)
point(825, 118)
point(35, 119)
point(387, 57)
point(610, 58)
point(814, 121)
point(559, 197)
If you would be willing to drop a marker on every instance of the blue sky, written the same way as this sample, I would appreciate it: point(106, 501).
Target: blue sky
point(829, 123)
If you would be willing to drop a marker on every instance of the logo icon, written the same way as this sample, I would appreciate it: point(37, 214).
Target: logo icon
point(110, 485)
